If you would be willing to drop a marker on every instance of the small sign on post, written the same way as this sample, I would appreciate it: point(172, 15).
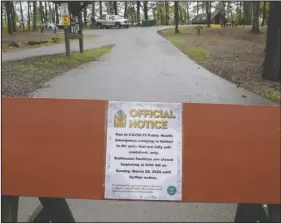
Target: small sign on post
point(144, 151)
point(66, 22)
point(64, 9)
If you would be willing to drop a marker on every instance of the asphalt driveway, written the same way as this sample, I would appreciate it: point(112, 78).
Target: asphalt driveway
point(146, 67)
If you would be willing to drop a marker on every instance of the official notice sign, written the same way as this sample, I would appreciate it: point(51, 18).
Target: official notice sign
point(144, 151)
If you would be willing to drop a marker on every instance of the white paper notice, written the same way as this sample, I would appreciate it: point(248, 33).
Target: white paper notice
point(144, 151)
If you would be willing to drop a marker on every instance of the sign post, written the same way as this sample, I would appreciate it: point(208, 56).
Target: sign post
point(81, 43)
point(66, 23)
point(144, 151)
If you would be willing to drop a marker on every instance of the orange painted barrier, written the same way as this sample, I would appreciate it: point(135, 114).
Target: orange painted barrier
point(56, 148)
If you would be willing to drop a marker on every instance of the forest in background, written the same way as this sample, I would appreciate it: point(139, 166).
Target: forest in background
point(27, 16)
point(20, 15)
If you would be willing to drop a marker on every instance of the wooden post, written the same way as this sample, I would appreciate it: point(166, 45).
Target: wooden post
point(81, 44)
point(67, 42)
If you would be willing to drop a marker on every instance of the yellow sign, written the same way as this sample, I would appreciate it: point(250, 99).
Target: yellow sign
point(65, 20)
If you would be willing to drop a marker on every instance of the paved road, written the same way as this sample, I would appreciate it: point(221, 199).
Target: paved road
point(142, 66)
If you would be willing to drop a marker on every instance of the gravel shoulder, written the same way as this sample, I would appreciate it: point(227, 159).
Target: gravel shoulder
point(22, 77)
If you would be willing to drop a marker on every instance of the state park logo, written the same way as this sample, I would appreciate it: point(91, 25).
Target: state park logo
point(120, 119)
point(171, 190)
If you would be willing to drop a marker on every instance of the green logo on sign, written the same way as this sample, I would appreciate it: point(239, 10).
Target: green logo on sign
point(172, 190)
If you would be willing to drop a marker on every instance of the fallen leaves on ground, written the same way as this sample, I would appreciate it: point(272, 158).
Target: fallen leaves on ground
point(21, 77)
point(234, 54)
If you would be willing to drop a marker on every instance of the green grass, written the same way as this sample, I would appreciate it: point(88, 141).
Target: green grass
point(195, 53)
point(27, 68)
point(269, 93)
point(273, 95)
point(75, 59)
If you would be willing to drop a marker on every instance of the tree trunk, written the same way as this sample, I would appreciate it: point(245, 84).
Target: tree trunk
point(197, 7)
point(145, 10)
point(94, 9)
point(203, 4)
point(51, 14)
point(271, 66)
point(256, 11)
point(244, 12)
point(46, 12)
point(57, 13)
point(251, 12)
point(185, 15)
point(100, 4)
point(108, 7)
point(138, 13)
point(167, 12)
point(13, 16)
point(158, 14)
point(223, 10)
point(28, 15)
point(133, 15)
point(230, 10)
point(208, 12)
point(263, 13)
point(50, 11)
point(21, 15)
point(115, 8)
point(34, 16)
point(240, 11)
point(187, 12)
point(176, 5)
point(154, 13)
point(248, 13)
point(9, 19)
point(2, 15)
point(85, 16)
point(41, 11)
point(126, 10)
point(180, 15)
point(162, 17)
